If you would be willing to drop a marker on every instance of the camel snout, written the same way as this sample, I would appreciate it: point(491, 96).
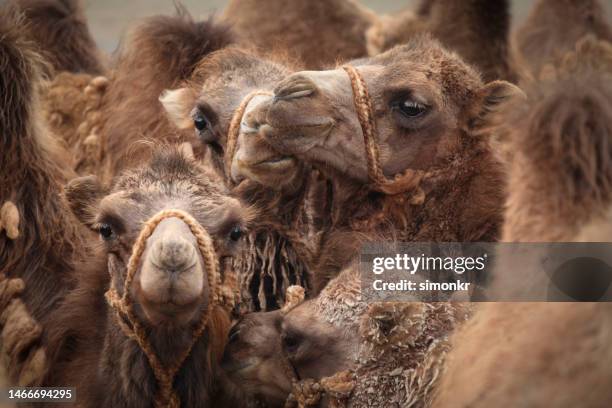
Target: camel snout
point(172, 277)
point(173, 254)
point(295, 86)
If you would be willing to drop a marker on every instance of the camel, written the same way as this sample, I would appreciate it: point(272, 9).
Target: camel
point(59, 27)
point(553, 28)
point(431, 111)
point(40, 253)
point(317, 34)
point(156, 54)
point(476, 30)
point(556, 148)
point(339, 350)
point(71, 99)
point(209, 104)
point(160, 337)
point(174, 290)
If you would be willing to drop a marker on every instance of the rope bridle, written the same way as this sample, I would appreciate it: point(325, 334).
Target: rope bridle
point(402, 182)
point(135, 330)
point(234, 131)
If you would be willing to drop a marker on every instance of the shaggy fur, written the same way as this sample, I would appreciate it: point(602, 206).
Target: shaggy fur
point(317, 33)
point(49, 237)
point(476, 29)
point(60, 30)
point(72, 108)
point(554, 26)
point(156, 55)
point(273, 258)
point(558, 155)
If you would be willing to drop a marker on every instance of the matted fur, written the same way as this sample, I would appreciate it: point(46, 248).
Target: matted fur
point(50, 238)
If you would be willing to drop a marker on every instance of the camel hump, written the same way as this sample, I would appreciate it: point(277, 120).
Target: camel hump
point(21, 68)
point(60, 30)
point(173, 43)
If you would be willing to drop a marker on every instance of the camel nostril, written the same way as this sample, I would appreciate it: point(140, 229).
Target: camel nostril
point(250, 124)
point(296, 86)
point(174, 254)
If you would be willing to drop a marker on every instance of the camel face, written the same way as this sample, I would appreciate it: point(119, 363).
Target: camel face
point(170, 285)
point(255, 159)
point(253, 359)
point(421, 95)
point(227, 78)
point(266, 350)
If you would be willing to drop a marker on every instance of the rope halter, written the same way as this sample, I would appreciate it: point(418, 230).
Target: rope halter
point(134, 329)
point(234, 131)
point(402, 182)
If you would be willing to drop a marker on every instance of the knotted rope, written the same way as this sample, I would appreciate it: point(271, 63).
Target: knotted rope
point(234, 131)
point(135, 330)
point(402, 182)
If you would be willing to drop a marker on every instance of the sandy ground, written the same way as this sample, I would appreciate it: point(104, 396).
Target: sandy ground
point(109, 18)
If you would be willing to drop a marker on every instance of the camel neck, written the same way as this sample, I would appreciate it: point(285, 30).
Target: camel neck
point(129, 379)
point(460, 199)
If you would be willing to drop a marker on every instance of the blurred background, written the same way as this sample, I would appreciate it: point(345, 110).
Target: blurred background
point(109, 18)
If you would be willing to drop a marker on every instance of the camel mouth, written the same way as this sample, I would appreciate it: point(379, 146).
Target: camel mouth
point(271, 163)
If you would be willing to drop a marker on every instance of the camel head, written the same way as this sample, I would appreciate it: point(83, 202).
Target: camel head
point(208, 103)
point(170, 286)
point(315, 339)
point(425, 100)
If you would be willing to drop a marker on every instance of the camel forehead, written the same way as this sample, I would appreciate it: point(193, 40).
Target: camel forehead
point(237, 68)
point(171, 175)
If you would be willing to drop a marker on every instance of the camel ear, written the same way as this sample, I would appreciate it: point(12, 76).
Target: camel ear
point(488, 101)
point(83, 195)
point(178, 104)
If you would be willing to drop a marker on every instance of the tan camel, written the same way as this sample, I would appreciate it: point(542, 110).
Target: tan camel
point(318, 34)
point(210, 105)
point(476, 30)
point(431, 112)
point(553, 28)
point(558, 156)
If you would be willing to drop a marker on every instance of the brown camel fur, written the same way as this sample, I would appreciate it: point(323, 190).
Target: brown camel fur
point(94, 355)
point(157, 54)
point(48, 238)
point(317, 33)
point(345, 351)
point(559, 160)
point(477, 30)
point(70, 105)
point(313, 117)
point(554, 26)
point(59, 27)
point(219, 84)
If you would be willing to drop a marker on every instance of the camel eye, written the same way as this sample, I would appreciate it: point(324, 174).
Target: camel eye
point(106, 232)
point(200, 122)
point(236, 233)
point(412, 109)
point(291, 343)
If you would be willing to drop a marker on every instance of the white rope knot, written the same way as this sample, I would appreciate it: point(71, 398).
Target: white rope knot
point(134, 329)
